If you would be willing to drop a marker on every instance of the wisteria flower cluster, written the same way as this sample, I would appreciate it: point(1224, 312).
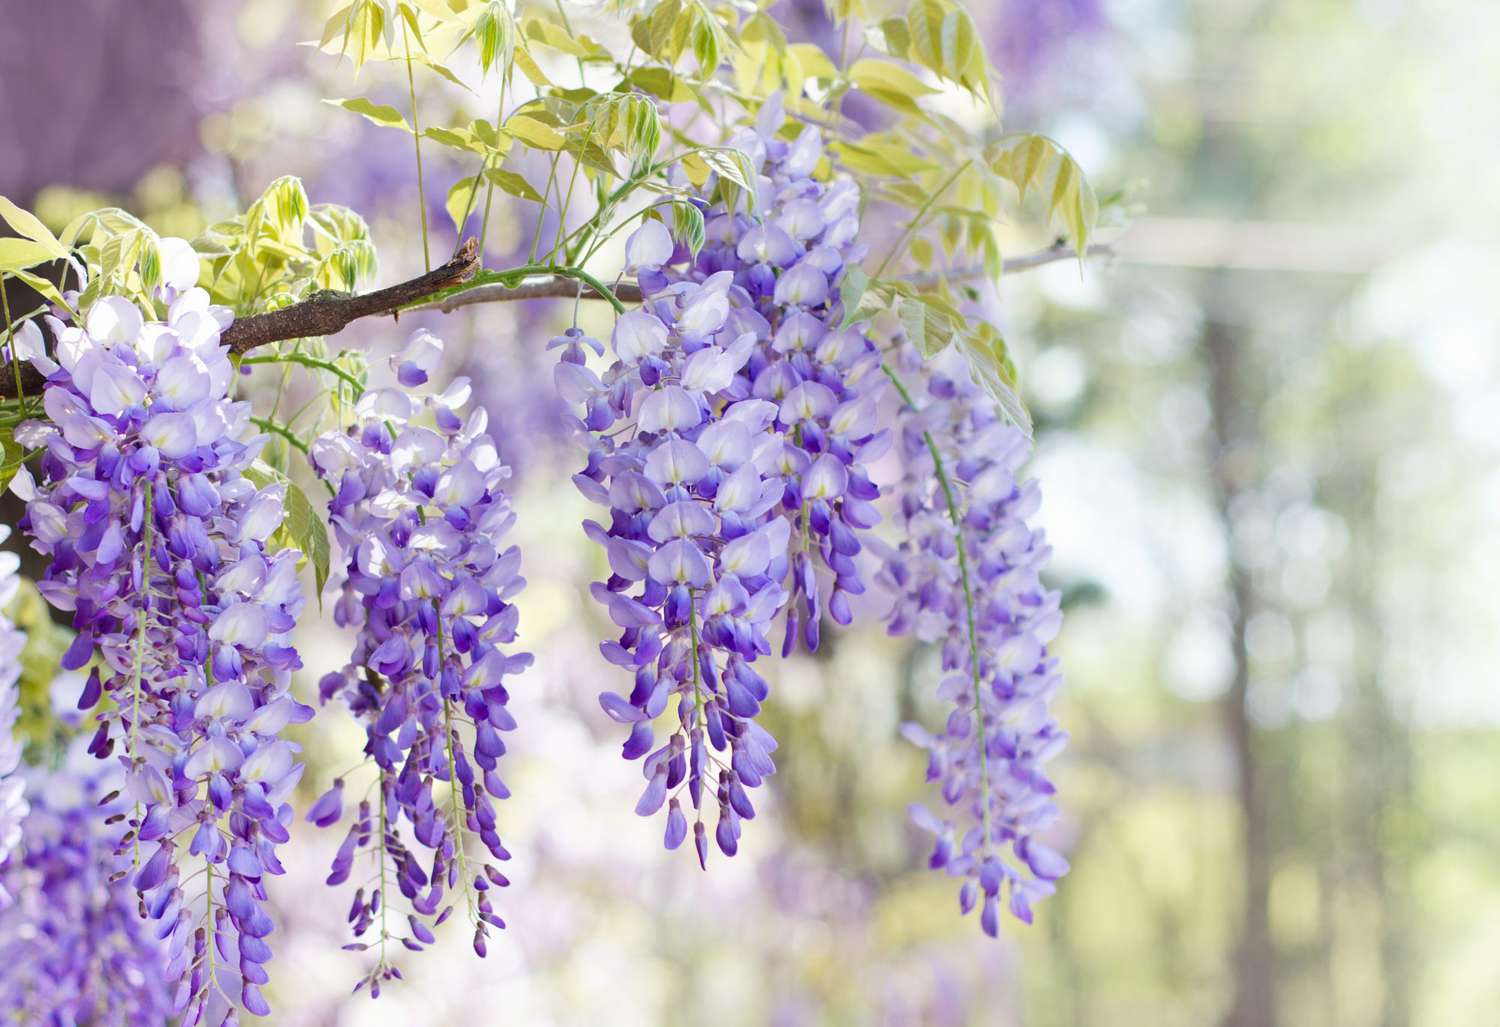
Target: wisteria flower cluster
point(421, 514)
point(74, 948)
point(788, 259)
point(696, 551)
point(158, 543)
point(966, 576)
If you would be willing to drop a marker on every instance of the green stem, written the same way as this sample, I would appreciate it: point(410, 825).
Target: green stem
point(307, 361)
point(536, 236)
point(208, 917)
point(920, 214)
point(693, 633)
point(951, 499)
point(385, 899)
point(276, 429)
point(512, 277)
point(453, 792)
point(416, 135)
point(10, 342)
point(141, 616)
point(489, 193)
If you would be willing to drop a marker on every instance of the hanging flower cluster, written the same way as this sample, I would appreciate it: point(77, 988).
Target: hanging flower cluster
point(787, 262)
point(696, 550)
point(12, 642)
point(966, 576)
point(157, 542)
point(73, 946)
point(421, 514)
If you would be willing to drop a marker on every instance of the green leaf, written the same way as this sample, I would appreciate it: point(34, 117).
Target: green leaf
point(890, 83)
point(11, 457)
point(688, 226)
point(310, 534)
point(558, 38)
point(992, 368)
point(851, 291)
point(29, 226)
point(460, 202)
point(1030, 161)
point(512, 183)
point(301, 526)
point(16, 254)
point(442, 70)
point(41, 285)
point(379, 113)
point(942, 36)
point(534, 133)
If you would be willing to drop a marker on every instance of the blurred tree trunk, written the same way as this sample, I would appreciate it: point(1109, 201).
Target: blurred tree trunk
point(1233, 441)
point(1378, 776)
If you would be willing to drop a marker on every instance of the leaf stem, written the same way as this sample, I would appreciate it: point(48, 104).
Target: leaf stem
point(916, 220)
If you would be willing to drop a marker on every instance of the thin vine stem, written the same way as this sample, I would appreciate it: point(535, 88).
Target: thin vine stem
point(951, 499)
point(416, 135)
point(313, 362)
point(911, 226)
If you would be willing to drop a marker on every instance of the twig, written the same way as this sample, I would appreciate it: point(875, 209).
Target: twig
point(562, 288)
point(322, 314)
point(328, 314)
point(542, 288)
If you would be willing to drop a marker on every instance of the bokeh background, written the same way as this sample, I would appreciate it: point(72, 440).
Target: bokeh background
point(1268, 433)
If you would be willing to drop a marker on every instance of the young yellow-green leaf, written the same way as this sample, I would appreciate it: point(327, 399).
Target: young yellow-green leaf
point(688, 226)
point(992, 368)
point(460, 201)
point(558, 38)
point(29, 226)
point(534, 133)
point(873, 75)
point(10, 458)
point(942, 36)
point(729, 163)
point(442, 70)
point(512, 183)
point(851, 291)
point(1029, 161)
point(301, 526)
point(45, 288)
point(454, 138)
point(530, 68)
point(379, 113)
point(363, 26)
point(16, 254)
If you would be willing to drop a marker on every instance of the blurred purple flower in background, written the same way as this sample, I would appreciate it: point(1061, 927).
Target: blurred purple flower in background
point(73, 947)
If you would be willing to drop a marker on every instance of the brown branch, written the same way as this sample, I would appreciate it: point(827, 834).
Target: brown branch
point(328, 314)
point(319, 315)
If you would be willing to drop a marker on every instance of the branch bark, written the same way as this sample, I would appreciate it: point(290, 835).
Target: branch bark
point(318, 315)
point(329, 313)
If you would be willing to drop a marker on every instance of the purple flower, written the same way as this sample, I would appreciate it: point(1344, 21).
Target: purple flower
point(695, 548)
point(156, 540)
point(12, 642)
point(818, 381)
point(967, 576)
point(421, 514)
point(73, 946)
